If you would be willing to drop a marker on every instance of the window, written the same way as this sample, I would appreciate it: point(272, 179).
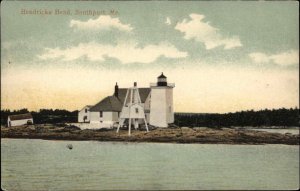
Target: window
point(101, 121)
point(101, 114)
point(85, 110)
point(136, 110)
point(170, 109)
point(84, 118)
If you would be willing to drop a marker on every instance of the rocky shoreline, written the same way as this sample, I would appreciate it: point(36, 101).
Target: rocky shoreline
point(160, 135)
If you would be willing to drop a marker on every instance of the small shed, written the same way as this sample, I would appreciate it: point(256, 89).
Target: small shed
point(20, 119)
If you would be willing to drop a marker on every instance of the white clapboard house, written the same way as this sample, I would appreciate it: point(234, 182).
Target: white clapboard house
point(84, 114)
point(20, 119)
point(157, 102)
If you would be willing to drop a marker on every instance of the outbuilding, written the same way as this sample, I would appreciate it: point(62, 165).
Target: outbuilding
point(20, 119)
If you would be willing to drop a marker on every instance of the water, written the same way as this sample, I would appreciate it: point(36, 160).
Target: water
point(281, 131)
point(90, 165)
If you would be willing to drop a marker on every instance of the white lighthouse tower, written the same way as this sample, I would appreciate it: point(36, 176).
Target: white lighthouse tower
point(161, 106)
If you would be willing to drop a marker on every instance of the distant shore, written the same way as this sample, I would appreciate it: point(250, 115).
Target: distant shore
point(161, 135)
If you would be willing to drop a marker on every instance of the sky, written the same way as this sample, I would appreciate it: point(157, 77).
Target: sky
point(223, 56)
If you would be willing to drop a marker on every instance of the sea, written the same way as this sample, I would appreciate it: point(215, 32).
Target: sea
point(293, 131)
point(32, 164)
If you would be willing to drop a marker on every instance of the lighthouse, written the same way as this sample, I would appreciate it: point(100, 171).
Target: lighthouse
point(161, 105)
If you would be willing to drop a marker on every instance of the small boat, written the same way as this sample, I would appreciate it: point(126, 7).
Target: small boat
point(70, 146)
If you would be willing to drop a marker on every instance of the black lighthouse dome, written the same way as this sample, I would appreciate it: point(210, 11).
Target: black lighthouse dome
point(162, 80)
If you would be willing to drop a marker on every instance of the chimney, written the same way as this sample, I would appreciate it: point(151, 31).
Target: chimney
point(116, 90)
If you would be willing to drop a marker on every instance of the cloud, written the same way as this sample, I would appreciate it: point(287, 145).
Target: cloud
point(259, 57)
point(103, 22)
point(203, 32)
point(168, 21)
point(285, 58)
point(126, 53)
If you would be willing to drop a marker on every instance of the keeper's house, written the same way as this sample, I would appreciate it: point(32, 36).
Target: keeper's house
point(20, 119)
point(108, 110)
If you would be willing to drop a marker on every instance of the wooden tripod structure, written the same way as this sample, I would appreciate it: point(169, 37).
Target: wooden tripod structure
point(132, 110)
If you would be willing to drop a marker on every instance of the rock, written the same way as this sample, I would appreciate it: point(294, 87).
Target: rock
point(31, 127)
point(71, 127)
point(185, 128)
point(172, 125)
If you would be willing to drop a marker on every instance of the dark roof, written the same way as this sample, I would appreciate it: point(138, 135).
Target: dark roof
point(144, 92)
point(113, 103)
point(20, 116)
point(110, 103)
point(162, 75)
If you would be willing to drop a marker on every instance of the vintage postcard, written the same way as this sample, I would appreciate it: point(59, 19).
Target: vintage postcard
point(149, 95)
